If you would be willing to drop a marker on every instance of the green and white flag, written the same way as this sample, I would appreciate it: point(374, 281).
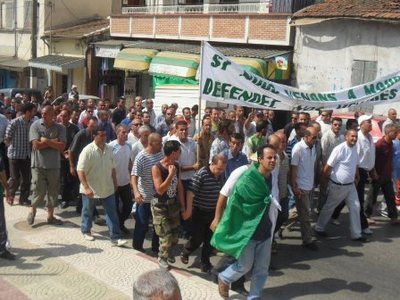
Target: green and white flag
point(224, 81)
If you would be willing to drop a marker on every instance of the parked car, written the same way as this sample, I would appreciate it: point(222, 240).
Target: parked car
point(11, 92)
point(376, 120)
point(59, 99)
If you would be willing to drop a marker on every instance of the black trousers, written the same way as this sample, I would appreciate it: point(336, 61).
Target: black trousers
point(3, 229)
point(123, 199)
point(386, 185)
point(3, 153)
point(69, 183)
point(201, 234)
point(361, 191)
point(20, 177)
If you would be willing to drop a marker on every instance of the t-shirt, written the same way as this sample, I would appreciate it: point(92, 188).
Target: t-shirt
point(205, 187)
point(344, 161)
point(263, 230)
point(122, 156)
point(304, 158)
point(47, 158)
point(142, 169)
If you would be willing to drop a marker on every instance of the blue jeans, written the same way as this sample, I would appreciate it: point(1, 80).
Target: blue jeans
point(256, 255)
point(88, 206)
point(142, 217)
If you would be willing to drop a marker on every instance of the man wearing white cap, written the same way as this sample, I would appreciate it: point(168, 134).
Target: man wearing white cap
point(366, 153)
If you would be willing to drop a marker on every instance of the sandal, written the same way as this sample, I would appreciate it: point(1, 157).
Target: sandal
point(10, 200)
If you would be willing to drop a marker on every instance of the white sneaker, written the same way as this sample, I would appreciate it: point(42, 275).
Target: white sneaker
point(88, 237)
point(119, 242)
point(335, 222)
point(367, 231)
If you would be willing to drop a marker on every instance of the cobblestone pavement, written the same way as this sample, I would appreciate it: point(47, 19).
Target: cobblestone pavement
point(57, 263)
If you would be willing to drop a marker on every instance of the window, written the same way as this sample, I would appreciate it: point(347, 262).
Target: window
point(363, 71)
point(7, 15)
point(27, 14)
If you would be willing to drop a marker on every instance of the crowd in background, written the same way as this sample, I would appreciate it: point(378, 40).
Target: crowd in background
point(167, 170)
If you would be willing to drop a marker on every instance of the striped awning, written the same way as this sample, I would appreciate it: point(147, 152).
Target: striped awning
point(169, 63)
point(134, 59)
point(254, 65)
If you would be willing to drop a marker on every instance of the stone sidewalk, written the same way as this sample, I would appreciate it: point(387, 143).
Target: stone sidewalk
point(57, 263)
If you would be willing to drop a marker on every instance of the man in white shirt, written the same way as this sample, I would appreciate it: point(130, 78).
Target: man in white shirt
point(330, 139)
point(341, 168)
point(366, 152)
point(122, 154)
point(324, 120)
point(302, 179)
point(187, 161)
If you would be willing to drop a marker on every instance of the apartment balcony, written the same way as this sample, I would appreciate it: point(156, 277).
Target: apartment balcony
point(265, 22)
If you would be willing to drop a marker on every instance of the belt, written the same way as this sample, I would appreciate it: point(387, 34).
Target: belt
point(342, 184)
point(167, 202)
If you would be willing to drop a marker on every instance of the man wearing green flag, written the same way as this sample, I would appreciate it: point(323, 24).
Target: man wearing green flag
point(246, 227)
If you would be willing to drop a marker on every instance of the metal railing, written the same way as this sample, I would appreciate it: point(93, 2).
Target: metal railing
point(200, 9)
point(263, 6)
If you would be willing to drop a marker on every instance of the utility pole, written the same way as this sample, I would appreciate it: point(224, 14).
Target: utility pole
point(33, 79)
point(15, 28)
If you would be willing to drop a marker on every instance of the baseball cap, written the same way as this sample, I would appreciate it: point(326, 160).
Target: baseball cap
point(363, 118)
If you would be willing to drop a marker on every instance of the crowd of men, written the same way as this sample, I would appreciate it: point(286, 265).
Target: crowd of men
point(227, 185)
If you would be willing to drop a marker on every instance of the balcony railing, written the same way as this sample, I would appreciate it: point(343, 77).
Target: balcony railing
point(266, 6)
point(198, 9)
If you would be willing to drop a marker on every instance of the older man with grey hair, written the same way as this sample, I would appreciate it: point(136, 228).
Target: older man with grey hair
point(391, 119)
point(156, 284)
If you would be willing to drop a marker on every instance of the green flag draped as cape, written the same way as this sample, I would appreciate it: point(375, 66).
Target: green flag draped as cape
point(246, 206)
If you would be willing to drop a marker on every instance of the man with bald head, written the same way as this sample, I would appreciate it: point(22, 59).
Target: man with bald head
point(143, 188)
point(391, 119)
point(48, 141)
point(302, 180)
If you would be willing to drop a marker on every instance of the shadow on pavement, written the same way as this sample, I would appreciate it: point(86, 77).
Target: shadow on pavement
point(320, 287)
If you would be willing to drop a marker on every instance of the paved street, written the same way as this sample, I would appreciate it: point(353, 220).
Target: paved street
point(56, 263)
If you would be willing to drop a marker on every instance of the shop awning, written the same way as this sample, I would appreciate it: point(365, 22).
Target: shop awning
point(175, 64)
point(254, 65)
point(13, 64)
point(57, 63)
point(134, 59)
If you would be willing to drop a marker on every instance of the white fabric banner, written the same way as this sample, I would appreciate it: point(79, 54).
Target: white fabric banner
point(224, 81)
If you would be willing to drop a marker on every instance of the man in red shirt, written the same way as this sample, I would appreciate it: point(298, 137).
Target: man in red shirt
point(383, 167)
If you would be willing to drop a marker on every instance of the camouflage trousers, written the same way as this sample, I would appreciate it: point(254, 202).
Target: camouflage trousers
point(166, 221)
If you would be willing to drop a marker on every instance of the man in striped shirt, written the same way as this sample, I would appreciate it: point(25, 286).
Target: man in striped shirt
point(202, 199)
point(143, 188)
point(19, 153)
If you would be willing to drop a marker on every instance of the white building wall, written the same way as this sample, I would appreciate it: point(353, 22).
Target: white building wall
point(324, 52)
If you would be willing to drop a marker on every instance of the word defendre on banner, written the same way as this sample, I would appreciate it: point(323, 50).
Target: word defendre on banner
point(224, 81)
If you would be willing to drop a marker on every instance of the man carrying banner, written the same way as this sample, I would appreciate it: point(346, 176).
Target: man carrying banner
point(247, 224)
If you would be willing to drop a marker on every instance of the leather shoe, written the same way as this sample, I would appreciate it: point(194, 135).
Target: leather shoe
point(361, 239)
point(223, 288)
point(7, 255)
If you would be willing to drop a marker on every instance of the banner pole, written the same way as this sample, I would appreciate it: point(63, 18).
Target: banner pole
point(200, 85)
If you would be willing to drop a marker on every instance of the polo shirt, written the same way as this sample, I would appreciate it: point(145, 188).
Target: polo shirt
point(344, 161)
point(97, 164)
point(205, 187)
point(304, 158)
point(233, 162)
point(47, 158)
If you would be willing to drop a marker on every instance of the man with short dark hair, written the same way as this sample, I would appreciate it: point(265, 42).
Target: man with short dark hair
point(221, 142)
point(257, 139)
point(163, 127)
point(234, 156)
point(302, 182)
point(95, 185)
point(19, 152)
point(247, 225)
point(119, 112)
point(149, 109)
point(167, 204)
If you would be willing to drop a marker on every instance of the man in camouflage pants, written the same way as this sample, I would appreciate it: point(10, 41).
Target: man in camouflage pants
point(165, 207)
